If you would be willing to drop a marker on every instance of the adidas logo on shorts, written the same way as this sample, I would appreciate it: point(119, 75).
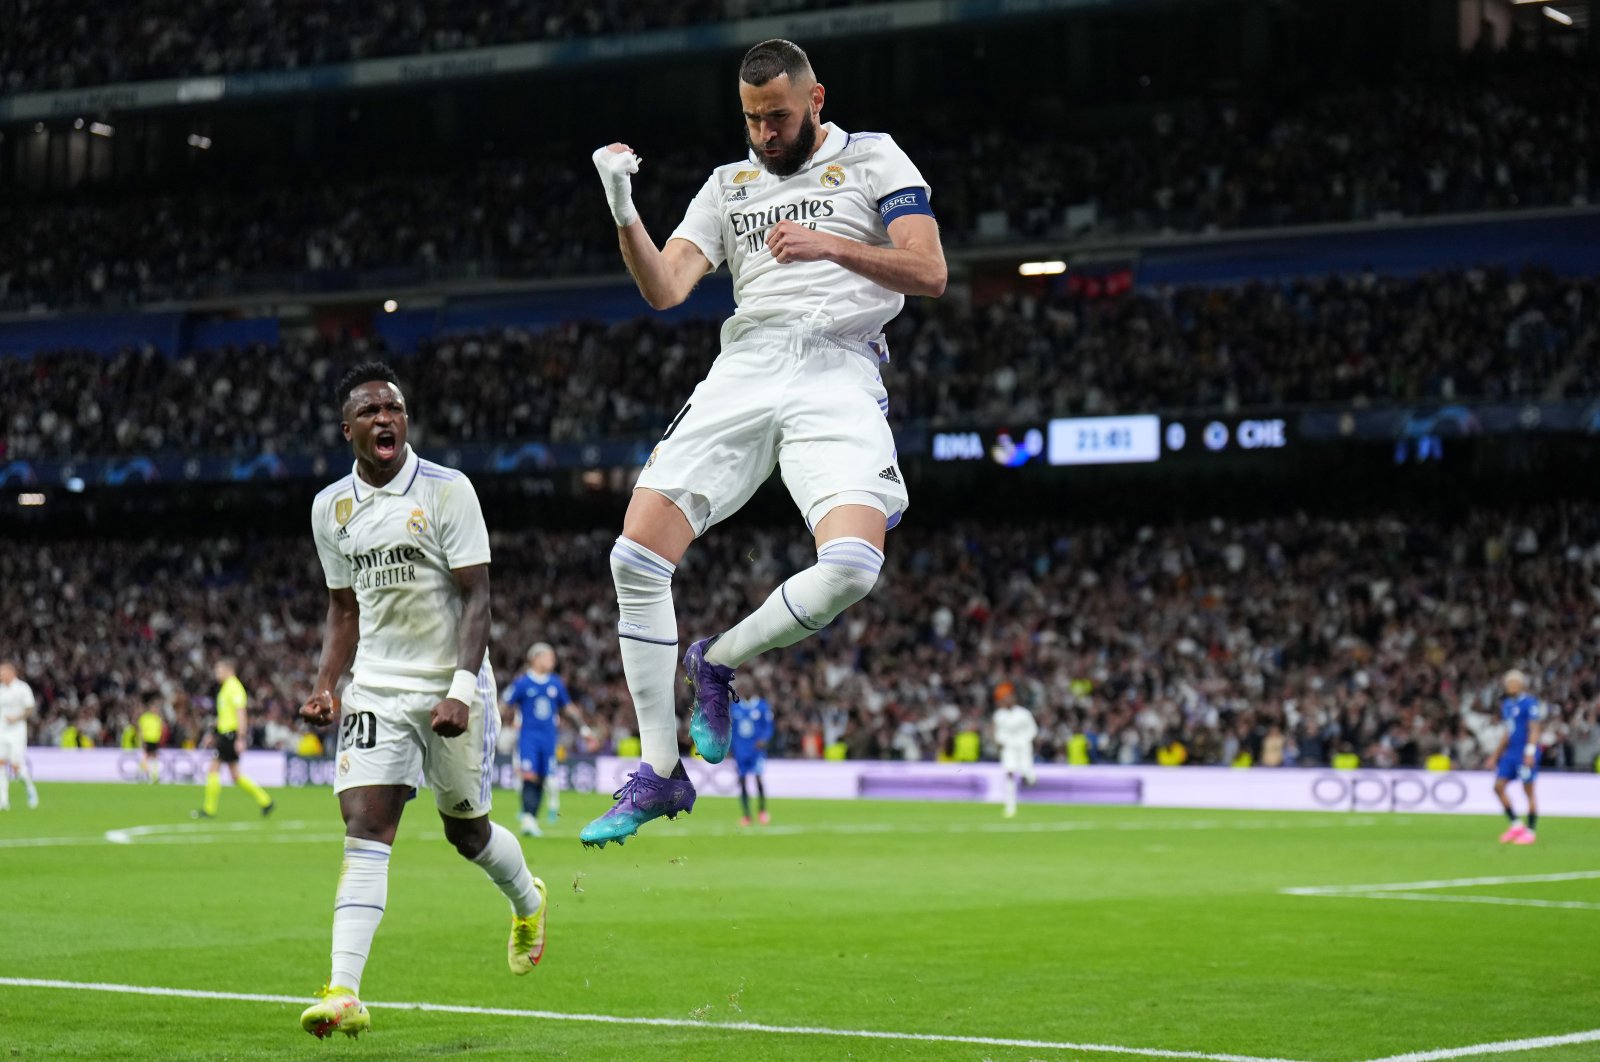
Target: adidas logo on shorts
point(889, 474)
point(464, 805)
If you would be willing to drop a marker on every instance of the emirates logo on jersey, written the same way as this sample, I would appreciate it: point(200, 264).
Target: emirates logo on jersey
point(833, 176)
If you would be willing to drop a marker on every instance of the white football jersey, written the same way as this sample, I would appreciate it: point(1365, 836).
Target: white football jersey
point(395, 545)
point(844, 190)
point(16, 698)
point(1014, 727)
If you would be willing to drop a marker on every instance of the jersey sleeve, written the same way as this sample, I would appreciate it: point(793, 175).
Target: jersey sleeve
point(510, 693)
point(702, 225)
point(28, 701)
point(335, 568)
point(894, 183)
point(462, 532)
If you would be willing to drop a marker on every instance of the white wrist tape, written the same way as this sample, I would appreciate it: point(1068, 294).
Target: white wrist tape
point(1531, 750)
point(462, 687)
point(616, 174)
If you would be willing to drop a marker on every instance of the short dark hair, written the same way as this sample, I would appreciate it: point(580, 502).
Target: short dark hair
point(769, 59)
point(366, 372)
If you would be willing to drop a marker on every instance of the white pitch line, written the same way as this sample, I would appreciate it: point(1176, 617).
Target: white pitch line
point(257, 832)
point(1448, 883)
point(676, 1023)
point(1434, 897)
point(1504, 1046)
point(1409, 890)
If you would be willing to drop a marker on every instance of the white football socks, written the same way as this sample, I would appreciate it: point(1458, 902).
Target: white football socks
point(845, 572)
point(358, 908)
point(647, 631)
point(27, 783)
point(502, 860)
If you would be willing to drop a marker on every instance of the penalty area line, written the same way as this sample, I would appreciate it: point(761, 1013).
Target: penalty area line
point(1536, 1043)
point(676, 1023)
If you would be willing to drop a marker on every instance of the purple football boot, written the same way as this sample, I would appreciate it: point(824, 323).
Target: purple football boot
point(644, 796)
point(710, 724)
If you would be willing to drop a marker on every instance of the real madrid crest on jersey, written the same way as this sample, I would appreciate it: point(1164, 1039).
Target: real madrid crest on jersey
point(833, 176)
point(418, 523)
point(342, 510)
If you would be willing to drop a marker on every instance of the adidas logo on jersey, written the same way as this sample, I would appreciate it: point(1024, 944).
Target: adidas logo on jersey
point(889, 474)
point(741, 194)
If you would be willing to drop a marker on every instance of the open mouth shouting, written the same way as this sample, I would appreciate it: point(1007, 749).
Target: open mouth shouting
point(385, 445)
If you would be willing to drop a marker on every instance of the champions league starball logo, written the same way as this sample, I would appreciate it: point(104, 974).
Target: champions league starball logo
point(1010, 454)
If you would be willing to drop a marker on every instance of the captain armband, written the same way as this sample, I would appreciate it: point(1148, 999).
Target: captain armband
point(906, 201)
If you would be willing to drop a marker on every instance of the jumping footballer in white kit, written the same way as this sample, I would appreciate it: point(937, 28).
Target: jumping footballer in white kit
point(825, 232)
point(1014, 731)
point(16, 702)
point(405, 555)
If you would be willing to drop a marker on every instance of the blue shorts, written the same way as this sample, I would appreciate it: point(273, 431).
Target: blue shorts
point(1510, 768)
point(756, 764)
point(536, 757)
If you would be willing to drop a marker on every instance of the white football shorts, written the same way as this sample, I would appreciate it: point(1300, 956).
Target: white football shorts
point(385, 738)
point(812, 405)
point(13, 745)
point(1017, 760)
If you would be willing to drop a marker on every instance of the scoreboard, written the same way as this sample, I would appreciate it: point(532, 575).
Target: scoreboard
point(1120, 440)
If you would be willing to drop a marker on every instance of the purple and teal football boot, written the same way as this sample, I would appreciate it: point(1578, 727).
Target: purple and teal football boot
point(710, 724)
point(644, 796)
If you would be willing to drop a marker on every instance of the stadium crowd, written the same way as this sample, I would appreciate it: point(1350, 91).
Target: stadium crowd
point(1439, 336)
point(1288, 641)
point(1520, 136)
point(46, 48)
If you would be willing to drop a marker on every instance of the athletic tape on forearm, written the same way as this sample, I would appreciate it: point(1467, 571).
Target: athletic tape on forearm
point(463, 686)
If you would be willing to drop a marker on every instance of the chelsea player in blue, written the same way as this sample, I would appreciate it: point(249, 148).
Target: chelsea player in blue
point(752, 729)
point(1517, 758)
point(539, 696)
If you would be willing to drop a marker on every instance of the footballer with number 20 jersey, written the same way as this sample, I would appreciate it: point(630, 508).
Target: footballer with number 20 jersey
point(396, 545)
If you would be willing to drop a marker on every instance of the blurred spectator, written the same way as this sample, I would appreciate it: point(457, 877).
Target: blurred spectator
point(1293, 641)
point(1450, 336)
point(1514, 135)
point(45, 47)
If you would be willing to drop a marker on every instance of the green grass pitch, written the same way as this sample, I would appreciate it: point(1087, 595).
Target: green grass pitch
point(1124, 927)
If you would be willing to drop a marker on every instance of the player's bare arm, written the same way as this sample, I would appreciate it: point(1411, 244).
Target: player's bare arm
point(340, 634)
point(1535, 731)
point(450, 715)
point(913, 266)
point(665, 275)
